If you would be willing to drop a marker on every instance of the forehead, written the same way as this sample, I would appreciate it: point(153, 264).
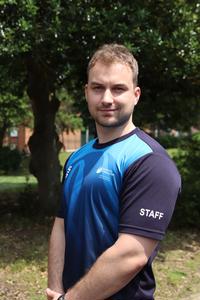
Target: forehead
point(115, 72)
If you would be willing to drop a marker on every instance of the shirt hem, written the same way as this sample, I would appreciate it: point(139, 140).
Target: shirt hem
point(145, 232)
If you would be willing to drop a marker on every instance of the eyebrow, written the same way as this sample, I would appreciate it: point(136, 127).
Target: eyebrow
point(122, 85)
point(96, 83)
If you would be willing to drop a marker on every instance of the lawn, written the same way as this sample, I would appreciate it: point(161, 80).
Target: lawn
point(177, 265)
point(10, 183)
point(23, 257)
point(17, 182)
point(23, 261)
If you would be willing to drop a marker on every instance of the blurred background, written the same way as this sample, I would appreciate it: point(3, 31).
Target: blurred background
point(44, 50)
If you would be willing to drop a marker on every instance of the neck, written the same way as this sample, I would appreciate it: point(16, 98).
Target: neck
point(107, 134)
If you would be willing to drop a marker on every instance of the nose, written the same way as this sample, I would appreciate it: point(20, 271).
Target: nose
point(107, 97)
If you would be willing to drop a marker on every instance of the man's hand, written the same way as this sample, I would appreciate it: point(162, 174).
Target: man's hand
point(52, 295)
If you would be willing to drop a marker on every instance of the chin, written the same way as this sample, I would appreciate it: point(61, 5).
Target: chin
point(113, 123)
point(109, 124)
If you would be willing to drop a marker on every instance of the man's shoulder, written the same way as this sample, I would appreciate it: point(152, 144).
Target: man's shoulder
point(142, 149)
point(137, 146)
point(84, 149)
point(151, 142)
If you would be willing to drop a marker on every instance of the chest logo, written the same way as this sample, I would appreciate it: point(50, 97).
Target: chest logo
point(105, 174)
point(102, 170)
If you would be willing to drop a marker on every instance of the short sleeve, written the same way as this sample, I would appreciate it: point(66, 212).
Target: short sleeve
point(150, 190)
point(62, 207)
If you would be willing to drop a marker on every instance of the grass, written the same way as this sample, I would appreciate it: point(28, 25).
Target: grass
point(23, 261)
point(23, 258)
point(177, 266)
point(10, 183)
point(14, 188)
point(17, 182)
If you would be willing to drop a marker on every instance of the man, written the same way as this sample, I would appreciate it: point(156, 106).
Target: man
point(119, 193)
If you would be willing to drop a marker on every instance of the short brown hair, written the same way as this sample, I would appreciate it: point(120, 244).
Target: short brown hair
point(110, 53)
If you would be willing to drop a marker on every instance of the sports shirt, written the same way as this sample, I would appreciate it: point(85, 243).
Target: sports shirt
point(128, 185)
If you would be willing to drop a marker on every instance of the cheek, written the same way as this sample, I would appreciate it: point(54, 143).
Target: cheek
point(128, 107)
point(127, 103)
point(92, 98)
point(91, 106)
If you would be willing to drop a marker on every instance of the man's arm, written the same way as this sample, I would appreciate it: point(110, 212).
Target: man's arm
point(114, 268)
point(56, 256)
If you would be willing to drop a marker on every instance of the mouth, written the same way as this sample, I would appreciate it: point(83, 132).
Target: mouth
point(108, 109)
point(107, 113)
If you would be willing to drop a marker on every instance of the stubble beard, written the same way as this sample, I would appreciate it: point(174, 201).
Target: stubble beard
point(123, 120)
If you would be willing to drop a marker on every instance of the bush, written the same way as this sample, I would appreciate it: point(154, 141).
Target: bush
point(187, 158)
point(10, 160)
point(169, 141)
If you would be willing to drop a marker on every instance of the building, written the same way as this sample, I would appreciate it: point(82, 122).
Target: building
point(19, 137)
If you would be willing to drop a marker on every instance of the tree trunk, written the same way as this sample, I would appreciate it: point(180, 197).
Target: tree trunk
point(44, 144)
point(2, 133)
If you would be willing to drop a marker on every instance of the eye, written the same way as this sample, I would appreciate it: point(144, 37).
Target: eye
point(97, 88)
point(118, 89)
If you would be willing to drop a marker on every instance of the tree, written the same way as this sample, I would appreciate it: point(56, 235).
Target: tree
point(13, 112)
point(164, 38)
point(169, 71)
point(46, 43)
point(67, 118)
point(14, 108)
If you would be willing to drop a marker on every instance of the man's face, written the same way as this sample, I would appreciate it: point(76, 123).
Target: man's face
point(111, 94)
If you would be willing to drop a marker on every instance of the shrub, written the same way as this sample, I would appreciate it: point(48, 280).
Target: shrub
point(187, 158)
point(169, 141)
point(10, 160)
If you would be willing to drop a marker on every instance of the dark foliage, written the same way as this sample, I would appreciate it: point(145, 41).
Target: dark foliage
point(187, 211)
point(10, 160)
point(169, 141)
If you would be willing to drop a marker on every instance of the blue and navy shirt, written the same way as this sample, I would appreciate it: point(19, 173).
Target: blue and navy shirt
point(128, 185)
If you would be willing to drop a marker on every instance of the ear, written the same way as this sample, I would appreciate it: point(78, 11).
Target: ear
point(86, 92)
point(137, 92)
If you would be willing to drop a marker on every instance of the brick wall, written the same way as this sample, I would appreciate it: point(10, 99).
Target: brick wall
point(71, 140)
